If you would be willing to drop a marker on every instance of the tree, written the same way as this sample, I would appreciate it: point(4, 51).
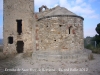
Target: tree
point(97, 37)
point(98, 29)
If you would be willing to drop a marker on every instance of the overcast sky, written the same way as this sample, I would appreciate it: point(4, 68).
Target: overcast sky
point(89, 9)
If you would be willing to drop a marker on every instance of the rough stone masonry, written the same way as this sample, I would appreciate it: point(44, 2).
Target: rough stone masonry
point(50, 32)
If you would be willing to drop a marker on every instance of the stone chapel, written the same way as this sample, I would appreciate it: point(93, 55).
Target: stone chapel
point(55, 30)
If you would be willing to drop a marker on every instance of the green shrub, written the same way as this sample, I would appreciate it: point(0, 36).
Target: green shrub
point(93, 49)
point(89, 47)
point(1, 49)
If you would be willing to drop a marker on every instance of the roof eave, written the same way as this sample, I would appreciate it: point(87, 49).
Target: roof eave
point(60, 16)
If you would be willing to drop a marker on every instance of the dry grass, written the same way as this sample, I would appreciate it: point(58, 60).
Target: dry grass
point(90, 57)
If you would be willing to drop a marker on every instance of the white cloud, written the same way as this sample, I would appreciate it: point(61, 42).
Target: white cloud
point(94, 16)
point(83, 4)
point(64, 3)
point(48, 3)
point(79, 1)
point(80, 7)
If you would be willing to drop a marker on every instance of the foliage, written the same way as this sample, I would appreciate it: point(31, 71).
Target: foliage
point(98, 29)
point(1, 49)
point(97, 39)
point(93, 49)
point(89, 43)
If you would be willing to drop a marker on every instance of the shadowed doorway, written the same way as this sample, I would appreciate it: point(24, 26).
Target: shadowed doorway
point(20, 46)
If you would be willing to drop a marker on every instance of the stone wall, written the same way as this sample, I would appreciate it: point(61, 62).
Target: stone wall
point(60, 33)
point(18, 10)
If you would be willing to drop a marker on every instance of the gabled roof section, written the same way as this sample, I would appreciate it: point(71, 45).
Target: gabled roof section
point(60, 11)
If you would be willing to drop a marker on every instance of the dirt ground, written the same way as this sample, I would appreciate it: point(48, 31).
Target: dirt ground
point(27, 66)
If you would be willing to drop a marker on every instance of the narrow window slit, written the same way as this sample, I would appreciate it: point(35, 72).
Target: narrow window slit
point(10, 40)
point(19, 26)
point(70, 29)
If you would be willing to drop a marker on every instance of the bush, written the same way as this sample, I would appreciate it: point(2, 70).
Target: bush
point(93, 49)
point(89, 47)
point(1, 48)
